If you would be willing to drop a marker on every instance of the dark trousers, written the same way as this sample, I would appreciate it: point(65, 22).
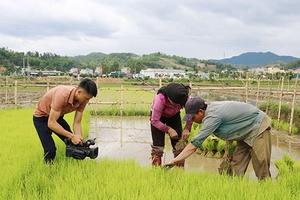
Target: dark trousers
point(158, 136)
point(45, 135)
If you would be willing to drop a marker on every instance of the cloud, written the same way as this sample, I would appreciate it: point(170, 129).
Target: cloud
point(190, 28)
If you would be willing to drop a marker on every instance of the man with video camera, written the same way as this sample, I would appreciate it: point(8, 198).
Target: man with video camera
point(49, 114)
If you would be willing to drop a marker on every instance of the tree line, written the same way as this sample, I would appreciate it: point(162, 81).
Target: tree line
point(14, 61)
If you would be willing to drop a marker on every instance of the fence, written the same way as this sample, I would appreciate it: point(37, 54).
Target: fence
point(139, 95)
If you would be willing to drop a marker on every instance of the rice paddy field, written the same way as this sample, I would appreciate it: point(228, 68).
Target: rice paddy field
point(25, 176)
point(114, 99)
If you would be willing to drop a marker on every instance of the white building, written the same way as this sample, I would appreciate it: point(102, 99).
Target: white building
point(163, 73)
point(99, 71)
point(274, 70)
point(259, 70)
point(125, 70)
point(86, 71)
point(73, 70)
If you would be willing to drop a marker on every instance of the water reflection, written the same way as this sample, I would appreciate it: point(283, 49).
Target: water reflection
point(130, 138)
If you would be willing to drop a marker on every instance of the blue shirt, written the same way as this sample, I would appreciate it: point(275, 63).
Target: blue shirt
point(230, 120)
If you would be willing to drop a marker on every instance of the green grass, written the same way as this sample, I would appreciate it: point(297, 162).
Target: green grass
point(25, 176)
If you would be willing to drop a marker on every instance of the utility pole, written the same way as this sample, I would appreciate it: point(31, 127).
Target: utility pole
point(27, 69)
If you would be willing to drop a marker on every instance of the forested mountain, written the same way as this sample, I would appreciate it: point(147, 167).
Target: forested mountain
point(14, 61)
point(257, 59)
point(89, 58)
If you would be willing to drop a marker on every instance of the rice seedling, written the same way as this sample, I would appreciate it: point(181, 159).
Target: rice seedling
point(284, 126)
point(220, 147)
point(289, 173)
point(285, 165)
point(209, 147)
point(25, 176)
point(194, 131)
point(129, 101)
point(231, 148)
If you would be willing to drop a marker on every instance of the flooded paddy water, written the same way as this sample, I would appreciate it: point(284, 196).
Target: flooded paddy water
point(130, 138)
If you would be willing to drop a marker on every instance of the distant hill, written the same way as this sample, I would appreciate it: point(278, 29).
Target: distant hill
point(117, 57)
point(115, 61)
point(257, 59)
point(90, 57)
point(153, 60)
point(159, 60)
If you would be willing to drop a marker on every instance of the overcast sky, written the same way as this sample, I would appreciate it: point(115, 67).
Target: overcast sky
point(210, 29)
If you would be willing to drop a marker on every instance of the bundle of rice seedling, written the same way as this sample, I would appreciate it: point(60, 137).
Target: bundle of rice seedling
point(220, 147)
point(209, 146)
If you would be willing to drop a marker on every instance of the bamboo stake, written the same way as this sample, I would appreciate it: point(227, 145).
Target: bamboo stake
point(121, 115)
point(48, 84)
point(293, 106)
point(160, 82)
point(269, 96)
point(247, 81)
point(16, 93)
point(6, 91)
point(257, 95)
point(98, 96)
point(280, 102)
point(71, 81)
point(97, 82)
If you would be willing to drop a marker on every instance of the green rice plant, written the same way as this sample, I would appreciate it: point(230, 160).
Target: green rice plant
point(288, 170)
point(274, 123)
point(296, 167)
point(132, 101)
point(220, 147)
point(204, 147)
point(196, 126)
point(285, 165)
point(22, 151)
point(231, 148)
point(134, 111)
point(294, 129)
point(273, 106)
point(285, 108)
point(106, 111)
point(25, 176)
point(284, 126)
point(208, 146)
point(85, 124)
point(194, 131)
point(200, 151)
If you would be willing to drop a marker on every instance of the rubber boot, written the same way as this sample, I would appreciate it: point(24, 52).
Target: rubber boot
point(156, 154)
point(180, 163)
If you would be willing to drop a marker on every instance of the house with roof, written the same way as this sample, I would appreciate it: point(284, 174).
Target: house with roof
point(163, 73)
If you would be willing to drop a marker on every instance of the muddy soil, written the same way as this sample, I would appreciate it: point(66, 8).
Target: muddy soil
point(130, 138)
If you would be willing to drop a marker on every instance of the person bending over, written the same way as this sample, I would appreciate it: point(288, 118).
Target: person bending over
point(165, 118)
point(49, 114)
point(232, 121)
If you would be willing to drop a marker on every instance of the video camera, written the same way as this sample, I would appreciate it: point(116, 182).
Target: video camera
point(81, 151)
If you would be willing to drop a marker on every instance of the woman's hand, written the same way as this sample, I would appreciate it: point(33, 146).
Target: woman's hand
point(173, 134)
